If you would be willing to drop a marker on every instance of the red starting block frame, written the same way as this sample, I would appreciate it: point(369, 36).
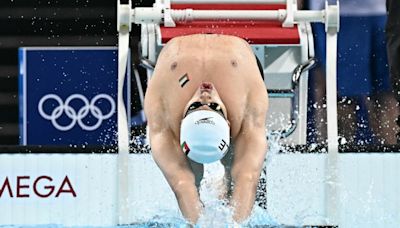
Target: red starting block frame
point(254, 32)
point(277, 31)
point(272, 32)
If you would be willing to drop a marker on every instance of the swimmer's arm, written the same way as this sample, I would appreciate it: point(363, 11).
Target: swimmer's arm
point(175, 167)
point(250, 150)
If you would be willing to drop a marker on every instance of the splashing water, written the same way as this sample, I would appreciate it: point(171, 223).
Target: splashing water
point(217, 212)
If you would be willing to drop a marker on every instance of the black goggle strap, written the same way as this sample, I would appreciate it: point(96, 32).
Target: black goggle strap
point(214, 106)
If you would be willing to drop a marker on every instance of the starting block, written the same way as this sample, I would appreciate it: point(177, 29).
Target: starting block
point(278, 33)
point(280, 36)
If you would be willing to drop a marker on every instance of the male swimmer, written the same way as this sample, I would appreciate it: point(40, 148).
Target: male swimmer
point(207, 94)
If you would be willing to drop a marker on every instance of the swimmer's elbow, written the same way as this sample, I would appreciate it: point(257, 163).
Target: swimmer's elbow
point(250, 177)
point(181, 186)
point(254, 139)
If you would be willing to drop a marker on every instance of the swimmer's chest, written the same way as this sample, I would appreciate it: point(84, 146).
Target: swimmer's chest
point(233, 93)
point(183, 75)
point(181, 84)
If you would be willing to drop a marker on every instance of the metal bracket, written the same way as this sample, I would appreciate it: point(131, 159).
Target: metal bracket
point(301, 68)
point(160, 13)
point(146, 63)
point(144, 41)
point(297, 72)
point(332, 17)
point(151, 28)
point(124, 15)
point(291, 7)
point(310, 38)
point(168, 21)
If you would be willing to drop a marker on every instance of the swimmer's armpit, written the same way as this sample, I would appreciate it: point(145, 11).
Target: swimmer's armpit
point(184, 80)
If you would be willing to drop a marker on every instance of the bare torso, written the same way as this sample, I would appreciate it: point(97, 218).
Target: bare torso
point(228, 64)
point(226, 61)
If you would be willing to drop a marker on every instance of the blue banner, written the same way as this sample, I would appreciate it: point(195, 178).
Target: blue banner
point(68, 96)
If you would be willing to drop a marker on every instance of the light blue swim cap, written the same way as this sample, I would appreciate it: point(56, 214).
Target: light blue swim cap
point(205, 136)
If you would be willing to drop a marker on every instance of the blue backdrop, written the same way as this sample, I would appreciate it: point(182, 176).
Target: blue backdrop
point(68, 96)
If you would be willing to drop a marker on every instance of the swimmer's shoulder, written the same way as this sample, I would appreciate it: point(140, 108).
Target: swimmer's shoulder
point(194, 42)
point(154, 109)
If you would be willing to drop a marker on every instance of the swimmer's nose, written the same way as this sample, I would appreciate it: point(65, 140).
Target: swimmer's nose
point(206, 85)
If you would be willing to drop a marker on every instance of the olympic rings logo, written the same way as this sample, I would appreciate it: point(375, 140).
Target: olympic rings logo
point(76, 116)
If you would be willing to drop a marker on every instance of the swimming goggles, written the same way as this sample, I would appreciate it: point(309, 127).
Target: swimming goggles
point(213, 106)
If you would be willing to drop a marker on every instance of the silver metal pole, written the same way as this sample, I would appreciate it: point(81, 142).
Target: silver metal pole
point(280, 15)
point(124, 27)
point(143, 15)
point(309, 16)
point(332, 190)
point(236, 15)
point(228, 2)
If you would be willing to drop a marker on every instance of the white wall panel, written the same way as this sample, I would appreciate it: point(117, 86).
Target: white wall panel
point(295, 187)
point(93, 178)
point(368, 189)
point(151, 194)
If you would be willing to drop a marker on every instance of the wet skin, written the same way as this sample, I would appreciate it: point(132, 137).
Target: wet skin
point(220, 69)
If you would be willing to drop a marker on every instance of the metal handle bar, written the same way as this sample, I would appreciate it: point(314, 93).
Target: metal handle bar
point(146, 63)
point(302, 68)
point(157, 15)
point(297, 72)
point(228, 1)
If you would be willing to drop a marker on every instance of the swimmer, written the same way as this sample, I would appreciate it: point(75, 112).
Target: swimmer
point(207, 98)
